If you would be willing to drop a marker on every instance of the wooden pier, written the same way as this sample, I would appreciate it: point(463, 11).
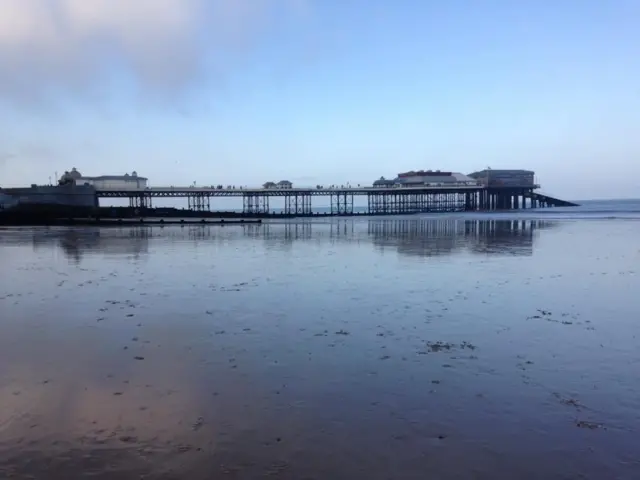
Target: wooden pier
point(379, 201)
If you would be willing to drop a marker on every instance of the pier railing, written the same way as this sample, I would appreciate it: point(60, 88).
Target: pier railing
point(239, 191)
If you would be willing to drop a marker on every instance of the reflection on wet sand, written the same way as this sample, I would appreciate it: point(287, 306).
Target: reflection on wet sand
point(418, 237)
point(444, 237)
point(303, 350)
point(74, 242)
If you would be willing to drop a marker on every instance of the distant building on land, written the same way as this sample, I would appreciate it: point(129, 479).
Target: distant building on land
point(285, 184)
point(105, 182)
point(504, 178)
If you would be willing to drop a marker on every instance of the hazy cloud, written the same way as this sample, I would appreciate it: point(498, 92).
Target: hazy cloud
point(75, 47)
point(5, 158)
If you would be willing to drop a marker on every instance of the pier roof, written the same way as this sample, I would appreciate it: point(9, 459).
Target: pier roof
point(124, 177)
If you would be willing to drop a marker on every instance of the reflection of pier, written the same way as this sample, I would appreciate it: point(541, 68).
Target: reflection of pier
point(77, 242)
point(443, 237)
point(417, 237)
point(513, 237)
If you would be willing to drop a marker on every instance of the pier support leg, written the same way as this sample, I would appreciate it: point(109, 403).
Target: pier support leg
point(342, 203)
point(253, 204)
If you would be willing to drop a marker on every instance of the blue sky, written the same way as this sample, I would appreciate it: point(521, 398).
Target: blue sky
point(240, 92)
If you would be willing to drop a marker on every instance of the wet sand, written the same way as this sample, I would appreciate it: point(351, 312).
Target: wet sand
point(383, 349)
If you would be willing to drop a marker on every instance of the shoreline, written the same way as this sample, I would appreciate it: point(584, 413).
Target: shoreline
point(120, 222)
point(224, 218)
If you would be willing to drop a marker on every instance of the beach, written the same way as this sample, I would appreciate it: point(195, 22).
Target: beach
point(449, 347)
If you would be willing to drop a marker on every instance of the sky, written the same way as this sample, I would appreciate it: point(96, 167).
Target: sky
point(322, 91)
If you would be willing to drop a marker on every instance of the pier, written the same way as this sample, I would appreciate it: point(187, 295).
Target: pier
point(379, 200)
point(421, 191)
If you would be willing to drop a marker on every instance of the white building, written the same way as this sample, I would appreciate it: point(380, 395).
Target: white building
point(106, 182)
point(505, 178)
point(284, 184)
point(433, 178)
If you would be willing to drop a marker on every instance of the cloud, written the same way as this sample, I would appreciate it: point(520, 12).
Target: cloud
point(5, 158)
point(76, 47)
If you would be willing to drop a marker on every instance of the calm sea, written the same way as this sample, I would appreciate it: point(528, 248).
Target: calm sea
point(484, 346)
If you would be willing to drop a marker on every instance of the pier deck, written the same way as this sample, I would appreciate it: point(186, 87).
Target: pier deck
point(538, 198)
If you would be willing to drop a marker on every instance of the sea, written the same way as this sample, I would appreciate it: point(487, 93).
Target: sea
point(440, 346)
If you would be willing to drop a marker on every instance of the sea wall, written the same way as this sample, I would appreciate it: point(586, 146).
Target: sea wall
point(7, 201)
point(67, 195)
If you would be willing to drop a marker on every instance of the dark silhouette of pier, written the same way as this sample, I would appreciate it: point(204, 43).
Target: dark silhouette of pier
point(379, 200)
